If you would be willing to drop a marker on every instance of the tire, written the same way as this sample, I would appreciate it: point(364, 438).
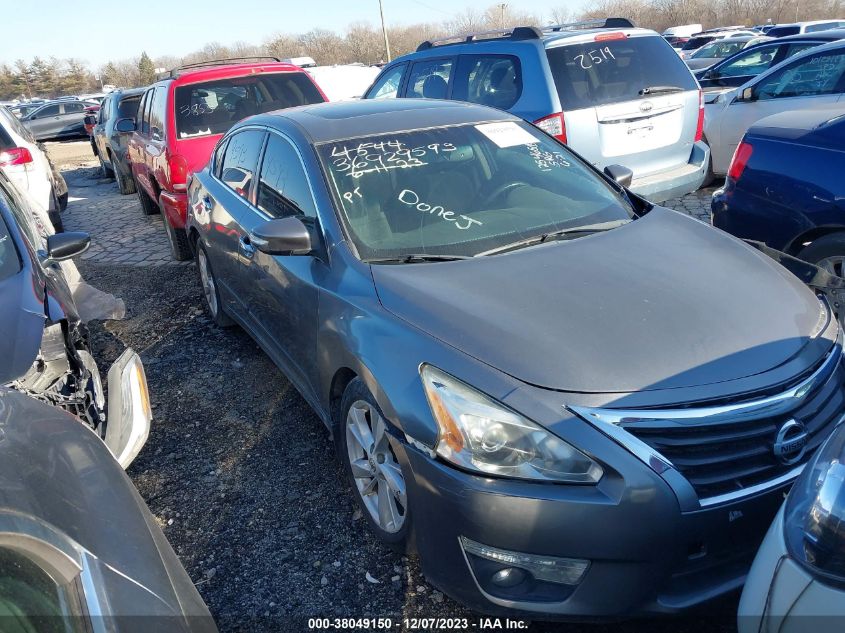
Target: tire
point(125, 183)
point(106, 172)
point(178, 240)
point(362, 421)
point(210, 291)
point(55, 214)
point(827, 252)
point(148, 206)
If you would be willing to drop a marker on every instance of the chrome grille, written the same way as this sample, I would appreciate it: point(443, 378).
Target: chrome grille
point(726, 449)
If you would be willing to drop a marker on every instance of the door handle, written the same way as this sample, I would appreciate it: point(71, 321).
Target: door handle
point(207, 203)
point(246, 247)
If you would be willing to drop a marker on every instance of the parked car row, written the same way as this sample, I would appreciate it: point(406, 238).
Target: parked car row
point(617, 449)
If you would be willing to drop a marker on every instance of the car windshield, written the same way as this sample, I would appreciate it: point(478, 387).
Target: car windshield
point(610, 71)
point(463, 190)
point(213, 107)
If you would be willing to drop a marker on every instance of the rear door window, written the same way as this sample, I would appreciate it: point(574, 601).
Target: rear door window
point(612, 71)
point(48, 111)
point(387, 86)
point(213, 107)
point(127, 108)
point(241, 161)
point(491, 80)
point(429, 79)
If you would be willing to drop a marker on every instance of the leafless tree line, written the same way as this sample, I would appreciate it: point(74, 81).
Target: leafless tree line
point(363, 41)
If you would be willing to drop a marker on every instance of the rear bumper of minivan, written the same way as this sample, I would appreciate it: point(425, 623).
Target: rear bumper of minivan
point(677, 181)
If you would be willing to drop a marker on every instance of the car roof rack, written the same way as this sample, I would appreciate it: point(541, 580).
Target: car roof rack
point(515, 33)
point(215, 62)
point(598, 23)
point(526, 32)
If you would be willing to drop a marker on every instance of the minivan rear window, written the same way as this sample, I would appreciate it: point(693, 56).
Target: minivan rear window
point(213, 107)
point(610, 71)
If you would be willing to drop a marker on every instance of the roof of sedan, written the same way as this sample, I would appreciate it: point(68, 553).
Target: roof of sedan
point(827, 35)
point(326, 122)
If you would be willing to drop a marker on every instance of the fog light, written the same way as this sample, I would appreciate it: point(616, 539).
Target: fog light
point(508, 577)
point(563, 571)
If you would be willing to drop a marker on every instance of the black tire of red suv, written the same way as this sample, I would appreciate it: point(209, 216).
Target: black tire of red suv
point(148, 206)
point(178, 239)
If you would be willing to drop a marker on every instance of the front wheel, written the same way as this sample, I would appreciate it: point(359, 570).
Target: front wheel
point(827, 252)
point(209, 289)
point(376, 476)
point(178, 240)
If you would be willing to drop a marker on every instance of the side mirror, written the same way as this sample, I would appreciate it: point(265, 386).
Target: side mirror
point(285, 236)
point(125, 125)
point(619, 174)
point(62, 246)
point(748, 94)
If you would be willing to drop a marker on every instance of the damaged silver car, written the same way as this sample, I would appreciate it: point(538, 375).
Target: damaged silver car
point(44, 349)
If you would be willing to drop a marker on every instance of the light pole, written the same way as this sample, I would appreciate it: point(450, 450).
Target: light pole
point(384, 30)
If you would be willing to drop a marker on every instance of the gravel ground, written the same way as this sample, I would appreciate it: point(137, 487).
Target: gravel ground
point(242, 475)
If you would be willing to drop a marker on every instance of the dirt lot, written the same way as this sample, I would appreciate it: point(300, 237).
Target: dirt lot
point(238, 470)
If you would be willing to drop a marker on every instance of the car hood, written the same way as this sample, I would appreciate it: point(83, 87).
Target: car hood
point(22, 324)
point(663, 302)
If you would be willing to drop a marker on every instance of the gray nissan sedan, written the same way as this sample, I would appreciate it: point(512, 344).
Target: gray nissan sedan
point(570, 402)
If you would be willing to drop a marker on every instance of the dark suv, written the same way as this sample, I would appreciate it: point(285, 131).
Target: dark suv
point(117, 113)
point(182, 116)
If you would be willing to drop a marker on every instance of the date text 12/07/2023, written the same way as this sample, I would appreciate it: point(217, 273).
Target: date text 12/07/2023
point(418, 624)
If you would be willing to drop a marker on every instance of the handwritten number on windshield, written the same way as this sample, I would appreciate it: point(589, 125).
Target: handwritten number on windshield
point(595, 57)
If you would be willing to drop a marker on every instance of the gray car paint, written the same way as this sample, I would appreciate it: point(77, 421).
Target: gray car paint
point(111, 143)
point(63, 496)
point(632, 311)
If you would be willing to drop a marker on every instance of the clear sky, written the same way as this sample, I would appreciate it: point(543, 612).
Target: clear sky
point(98, 31)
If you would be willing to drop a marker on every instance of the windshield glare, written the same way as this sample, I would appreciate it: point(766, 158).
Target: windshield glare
point(463, 190)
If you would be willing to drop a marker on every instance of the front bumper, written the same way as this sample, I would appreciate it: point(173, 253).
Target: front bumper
point(645, 555)
point(676, 182)
point(174, 205)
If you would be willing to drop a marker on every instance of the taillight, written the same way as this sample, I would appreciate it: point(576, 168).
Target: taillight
point(699, 129)
point(15, 156)
point(553, 125)
point(740, 160)
point(178, 172)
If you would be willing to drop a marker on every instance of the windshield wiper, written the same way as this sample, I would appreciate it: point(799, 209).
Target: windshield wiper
point(412, 258)
point(556, 235)
point(653, 90)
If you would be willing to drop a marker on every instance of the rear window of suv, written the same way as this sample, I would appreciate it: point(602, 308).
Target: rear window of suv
point(782, 31)
point(610, 71)
point(213, 107)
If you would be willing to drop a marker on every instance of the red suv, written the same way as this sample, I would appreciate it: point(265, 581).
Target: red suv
point(181, 118)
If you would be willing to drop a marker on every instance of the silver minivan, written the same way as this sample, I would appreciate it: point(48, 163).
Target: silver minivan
point(614, 93)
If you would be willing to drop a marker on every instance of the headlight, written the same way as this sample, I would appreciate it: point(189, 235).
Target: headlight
point(814, 522)
point(482, 435)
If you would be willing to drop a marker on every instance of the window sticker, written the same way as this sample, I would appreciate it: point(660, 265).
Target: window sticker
point(506, 134)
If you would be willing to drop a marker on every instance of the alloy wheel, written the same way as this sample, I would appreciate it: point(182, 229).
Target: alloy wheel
point(835, 265)
point(378, 476)
point(207, 280)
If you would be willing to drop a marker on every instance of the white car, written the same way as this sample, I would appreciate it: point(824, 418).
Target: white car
point(812, 26)
point(797, 581)
point(343, 82)
point(814, 78)
point(705, 37)
point(29, 168)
